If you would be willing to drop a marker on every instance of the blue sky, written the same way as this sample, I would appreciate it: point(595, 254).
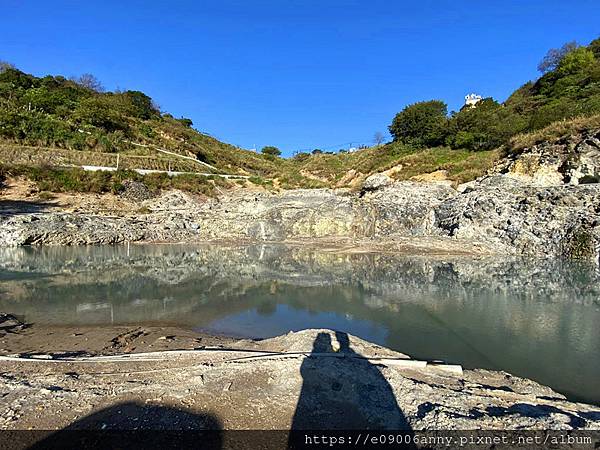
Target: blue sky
point(295, 74)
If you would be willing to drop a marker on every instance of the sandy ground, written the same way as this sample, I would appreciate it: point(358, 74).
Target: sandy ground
point(163, 378)
point(110, 340)
point(19, 193)
point(22, 195)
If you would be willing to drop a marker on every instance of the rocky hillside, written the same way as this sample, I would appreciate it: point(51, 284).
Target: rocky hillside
point(573, 159)
point(493, 214)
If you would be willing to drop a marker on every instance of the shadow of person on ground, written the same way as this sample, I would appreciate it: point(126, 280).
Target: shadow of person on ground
point(344, 392)
point(136, 425)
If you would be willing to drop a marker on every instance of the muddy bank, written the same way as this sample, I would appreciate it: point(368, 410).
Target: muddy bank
point(310, 379)
point(101, 340)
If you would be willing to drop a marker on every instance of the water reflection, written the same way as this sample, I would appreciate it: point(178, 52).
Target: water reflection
point(532, 318)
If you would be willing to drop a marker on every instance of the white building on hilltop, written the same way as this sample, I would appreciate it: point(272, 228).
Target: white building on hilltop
point(472, 99)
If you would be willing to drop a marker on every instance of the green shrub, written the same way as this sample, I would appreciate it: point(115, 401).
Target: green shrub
point(422, 124)
point(483, 126)
point(270, 150)
point(97, 111)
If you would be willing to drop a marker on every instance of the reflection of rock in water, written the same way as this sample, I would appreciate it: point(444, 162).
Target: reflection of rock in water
point(380, 275)
point(198, 285)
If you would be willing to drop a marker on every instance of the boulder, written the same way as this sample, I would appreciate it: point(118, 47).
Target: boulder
point(136, 191)
point(376, 181)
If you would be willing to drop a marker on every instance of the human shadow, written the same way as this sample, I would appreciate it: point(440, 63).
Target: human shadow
point(343, 390)
point(137, 425)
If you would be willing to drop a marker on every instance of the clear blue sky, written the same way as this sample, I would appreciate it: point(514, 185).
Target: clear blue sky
point(291, 73)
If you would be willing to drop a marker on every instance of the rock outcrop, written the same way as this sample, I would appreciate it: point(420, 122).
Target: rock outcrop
point(542, 201)
point(524, 219)
point(313, 379)
point(504, 213)
point(574, 159)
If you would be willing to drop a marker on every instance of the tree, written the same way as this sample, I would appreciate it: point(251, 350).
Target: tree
point(270, 150)
point(471, 127)
point(4, 65)
point(96, 111)
point(421, 124)
point(186, 122)
point(378, 138)
point(595, 47)
point(555, 56)
point(140, 105)
point(575, 61)
point(89, 81)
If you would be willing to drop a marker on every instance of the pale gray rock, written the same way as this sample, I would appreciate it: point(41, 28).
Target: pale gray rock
point(524, 219)
point(503, 213)
point(376, 181)
point(329, 381)
point(574, 159)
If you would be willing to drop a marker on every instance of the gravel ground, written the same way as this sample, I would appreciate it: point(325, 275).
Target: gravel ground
point(312, 379)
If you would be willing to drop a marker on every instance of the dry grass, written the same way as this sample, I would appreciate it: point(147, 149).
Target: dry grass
point(315, 171)
point(47, 156)
point(553, 132)
point(462, 165)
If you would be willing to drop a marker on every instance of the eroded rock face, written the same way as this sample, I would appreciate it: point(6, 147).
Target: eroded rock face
point(571, 160)
point(404, 208)
point(526, 219)
point(505, 213)
point(527, 210)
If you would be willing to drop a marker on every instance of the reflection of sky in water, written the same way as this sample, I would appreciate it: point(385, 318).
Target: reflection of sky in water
point(537, 319)
point(256, 324)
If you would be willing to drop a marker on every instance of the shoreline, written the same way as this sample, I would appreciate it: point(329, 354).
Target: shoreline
point(202, 378)
point(96, 340)
point(72, 341)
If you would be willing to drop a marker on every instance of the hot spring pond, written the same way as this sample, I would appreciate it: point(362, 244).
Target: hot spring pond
point(538, 319)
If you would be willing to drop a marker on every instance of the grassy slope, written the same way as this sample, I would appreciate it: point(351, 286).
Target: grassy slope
point(52, 121)
point(554, 131)
point(321, 170)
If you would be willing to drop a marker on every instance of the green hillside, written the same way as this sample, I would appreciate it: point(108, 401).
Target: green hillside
point(55, 121)
point(56, 112)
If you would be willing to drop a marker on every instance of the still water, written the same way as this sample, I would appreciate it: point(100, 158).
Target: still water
point(532, 318)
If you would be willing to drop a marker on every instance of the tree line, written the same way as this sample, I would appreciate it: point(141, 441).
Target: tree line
point(569, 87)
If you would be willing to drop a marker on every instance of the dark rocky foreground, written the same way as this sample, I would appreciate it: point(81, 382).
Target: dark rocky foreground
point(497, 214)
